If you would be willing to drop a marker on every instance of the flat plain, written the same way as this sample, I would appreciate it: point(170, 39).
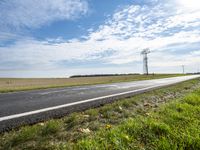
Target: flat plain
point(20, 84)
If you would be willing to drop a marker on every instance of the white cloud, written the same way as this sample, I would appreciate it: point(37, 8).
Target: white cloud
point(35, 13)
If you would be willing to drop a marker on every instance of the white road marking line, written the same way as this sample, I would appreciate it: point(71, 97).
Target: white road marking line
point(70, 104)
point(89, 100)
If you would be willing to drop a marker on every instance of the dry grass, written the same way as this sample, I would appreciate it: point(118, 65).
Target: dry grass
point(17, 84)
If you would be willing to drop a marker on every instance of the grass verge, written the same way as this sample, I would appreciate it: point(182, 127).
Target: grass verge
point(174, 126)
point(166, 118)
point(14, 84)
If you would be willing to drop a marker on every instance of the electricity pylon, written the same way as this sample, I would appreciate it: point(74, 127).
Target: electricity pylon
point(145, 60)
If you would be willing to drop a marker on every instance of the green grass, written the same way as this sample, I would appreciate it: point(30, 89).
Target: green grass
point(174, 126)
point(17, 84)
point(167, 118)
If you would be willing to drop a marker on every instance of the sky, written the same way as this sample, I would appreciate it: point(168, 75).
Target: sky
point(60, 38)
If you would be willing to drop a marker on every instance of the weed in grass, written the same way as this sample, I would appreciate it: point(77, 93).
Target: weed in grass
point(93, 114)
point(126, 103)
point(24, 135)
point(192, 99)
point(127, 113)
point(94, 126)
point(117, 108)
point(104, 110)
point(72, 121)
point(52, 127)
point(159, 129)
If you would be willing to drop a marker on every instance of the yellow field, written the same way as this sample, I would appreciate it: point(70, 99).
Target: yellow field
point(17, 84)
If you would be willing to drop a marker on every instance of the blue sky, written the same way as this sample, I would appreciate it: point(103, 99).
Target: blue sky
point(45, 38)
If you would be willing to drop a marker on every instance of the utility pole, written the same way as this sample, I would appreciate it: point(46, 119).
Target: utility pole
point(145, 60)
point(183, 67)
point(198, 69)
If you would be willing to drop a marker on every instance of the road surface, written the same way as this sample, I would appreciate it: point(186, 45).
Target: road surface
point(28, 107)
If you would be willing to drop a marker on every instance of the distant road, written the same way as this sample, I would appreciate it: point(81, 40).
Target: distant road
point(29, 107)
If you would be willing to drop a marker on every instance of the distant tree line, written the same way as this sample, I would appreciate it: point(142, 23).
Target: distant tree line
point(193, 73)
point(102, 75)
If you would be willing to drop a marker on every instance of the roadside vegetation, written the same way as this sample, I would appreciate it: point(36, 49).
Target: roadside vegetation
point(167, 118)
point(20, 84)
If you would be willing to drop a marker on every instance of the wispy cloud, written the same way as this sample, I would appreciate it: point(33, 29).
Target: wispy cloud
point(35, 13)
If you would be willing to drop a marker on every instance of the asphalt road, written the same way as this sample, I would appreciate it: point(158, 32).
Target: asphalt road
point(20, 108)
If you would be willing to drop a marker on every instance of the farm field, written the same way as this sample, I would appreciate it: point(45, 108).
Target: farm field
point(20, 84)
